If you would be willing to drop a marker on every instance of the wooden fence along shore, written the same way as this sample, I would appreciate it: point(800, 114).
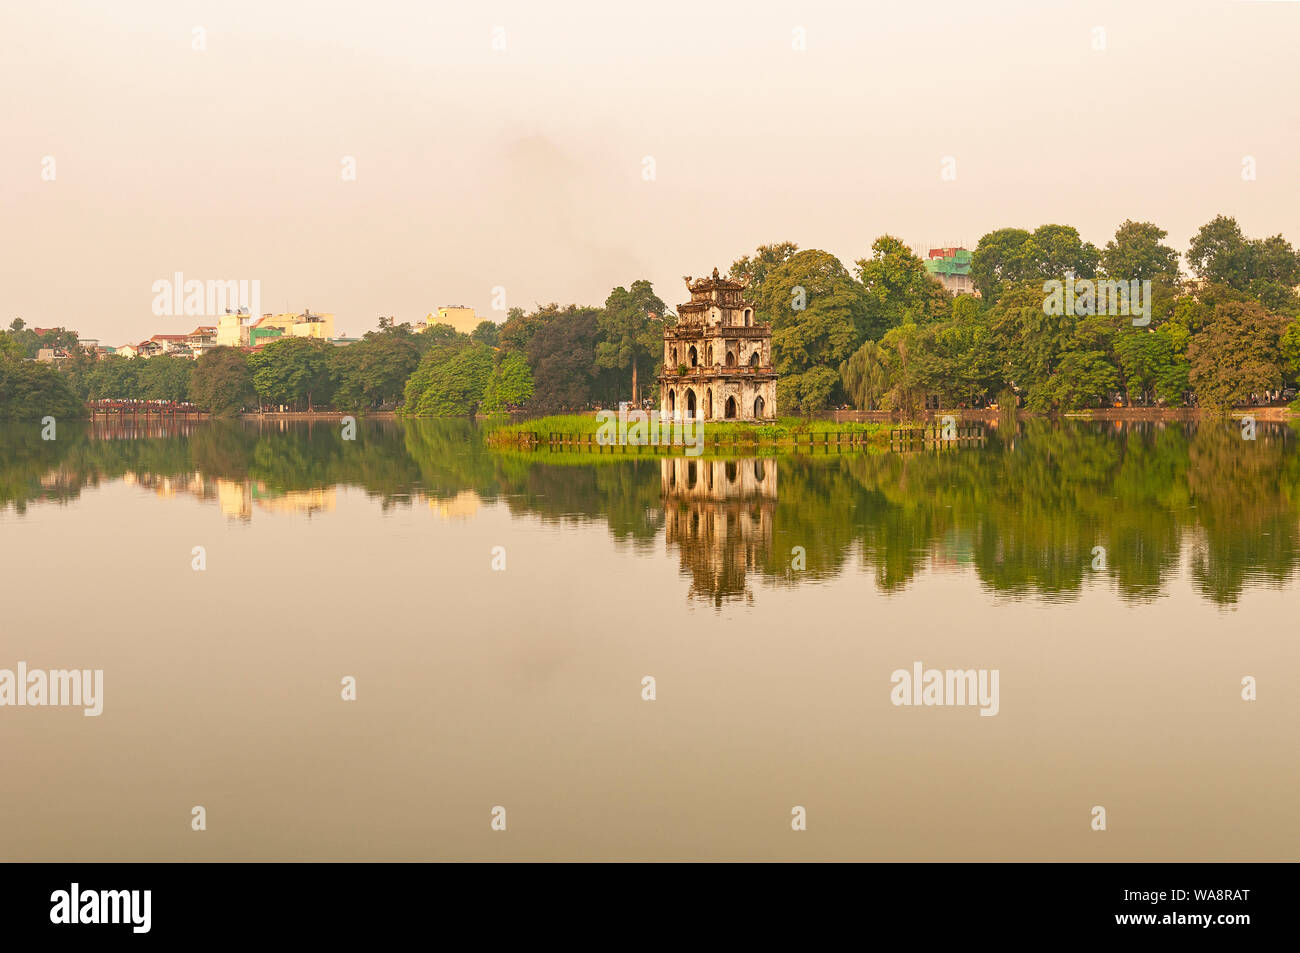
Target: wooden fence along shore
point(146, 409)
point(935, 437)
point(901, 440)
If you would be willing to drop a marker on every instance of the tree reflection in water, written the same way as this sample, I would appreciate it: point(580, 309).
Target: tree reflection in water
point(1024, 512)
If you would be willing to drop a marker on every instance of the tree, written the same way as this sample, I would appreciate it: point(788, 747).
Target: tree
point(1275, 273)
point(632, 330)
point(30, 391)
point(562, 355)
point(292, 371)
point(763, 261)
point(865, 376)
point(1219, 253)
point(1000, 257)
point(1266, 269)
point(1030, 342)
point(1154, 362)
point(1289, 345)
point(486, 332)
point(520, 327)
point(450, 382)
point(373, 372)
point(165, 377)
point(1136, 254)
point(1236, 357)
point(909, 358)
point(222, 383)
point(1013, 255)
point(1084, 377)
point(898, 287)
point(10, 346)
point(1057, 251)
point(512, 384)
point(967, 367)
point(113, 376)
point(818, 315)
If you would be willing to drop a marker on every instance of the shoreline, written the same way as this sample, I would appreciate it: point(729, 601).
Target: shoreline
point(819, 422)
point(992, 415)
point(319, 415)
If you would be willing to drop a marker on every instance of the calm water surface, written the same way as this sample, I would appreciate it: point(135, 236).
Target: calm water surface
point(1120, 668)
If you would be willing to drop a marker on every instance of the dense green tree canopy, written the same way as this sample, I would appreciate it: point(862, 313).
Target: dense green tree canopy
point(757, 266)
point(562, 355)
point(450, 381)
point(1136, 254)
point(31, 391)
point(1012, 255)
point(898, 288)
point(511, 386)
point(1236, 355)
point(293, 371)
point(372, 373)
point(818, 315)
point(487, 332)
point(1266, 269)
point(222, 383)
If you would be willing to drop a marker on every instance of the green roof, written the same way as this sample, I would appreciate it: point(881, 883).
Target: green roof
point(957, 265)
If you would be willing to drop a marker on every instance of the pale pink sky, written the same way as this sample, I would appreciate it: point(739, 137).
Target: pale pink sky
point(522, 168)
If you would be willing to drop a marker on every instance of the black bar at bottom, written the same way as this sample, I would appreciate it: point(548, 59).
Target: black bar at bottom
point(928, 902)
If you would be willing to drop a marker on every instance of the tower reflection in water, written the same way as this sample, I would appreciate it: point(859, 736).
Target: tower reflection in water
point(719, 514)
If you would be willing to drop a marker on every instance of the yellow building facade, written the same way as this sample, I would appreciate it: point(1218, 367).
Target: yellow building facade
point(459, 316)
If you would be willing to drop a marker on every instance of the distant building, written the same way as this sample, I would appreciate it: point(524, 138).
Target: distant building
point(201, 340)
point(128, 350)
point(176, 345)
point(51, 355)
point(460, 317)
point(952, 267)
point(305, 325)
point(318, 326)
point(232, 328)
point(258, 335)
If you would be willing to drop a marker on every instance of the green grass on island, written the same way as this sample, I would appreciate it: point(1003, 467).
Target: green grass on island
point(785, 431)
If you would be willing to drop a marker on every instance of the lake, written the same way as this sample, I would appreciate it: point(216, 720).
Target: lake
point(500, 614)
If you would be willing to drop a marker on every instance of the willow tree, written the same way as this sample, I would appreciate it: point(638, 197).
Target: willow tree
point(866, 376)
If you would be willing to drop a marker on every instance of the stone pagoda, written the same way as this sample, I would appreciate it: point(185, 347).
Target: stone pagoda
point(717, 358)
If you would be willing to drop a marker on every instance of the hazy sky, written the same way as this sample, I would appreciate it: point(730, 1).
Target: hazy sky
point(523, 167)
